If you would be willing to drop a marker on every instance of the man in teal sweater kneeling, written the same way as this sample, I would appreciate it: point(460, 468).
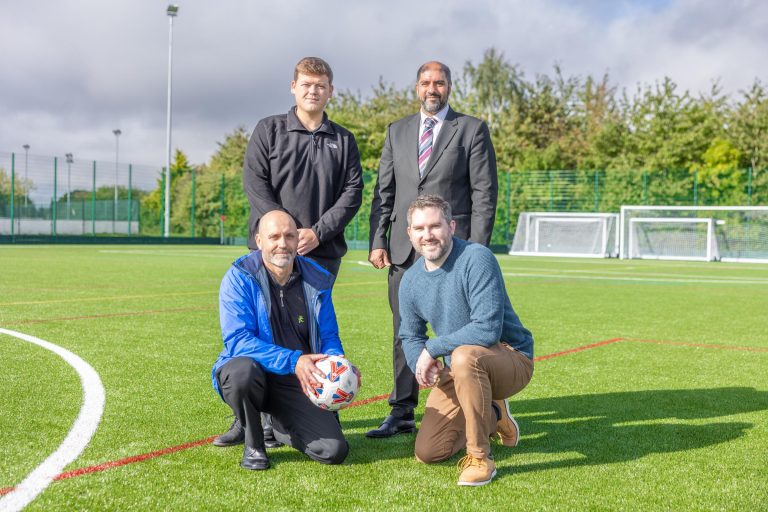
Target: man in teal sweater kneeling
point(457, 288)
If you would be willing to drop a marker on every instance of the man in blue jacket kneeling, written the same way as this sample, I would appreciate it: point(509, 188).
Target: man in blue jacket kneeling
point(277, 320)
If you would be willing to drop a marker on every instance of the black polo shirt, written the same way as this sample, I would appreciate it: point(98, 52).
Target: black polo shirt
point(315, 176)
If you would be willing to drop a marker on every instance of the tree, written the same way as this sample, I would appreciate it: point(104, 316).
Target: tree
point(748, 126)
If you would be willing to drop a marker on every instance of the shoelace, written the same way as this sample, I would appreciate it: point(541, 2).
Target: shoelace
point(468, 461)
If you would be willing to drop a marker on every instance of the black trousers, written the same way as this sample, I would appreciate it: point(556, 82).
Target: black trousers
point(296, 422)
point(405, 394)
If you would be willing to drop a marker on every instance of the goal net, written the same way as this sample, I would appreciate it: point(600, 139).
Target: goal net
point(707, 233)
point(588, 235)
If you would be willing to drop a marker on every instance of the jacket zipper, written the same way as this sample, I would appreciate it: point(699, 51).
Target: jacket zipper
point(313, 143)
point(282, 304)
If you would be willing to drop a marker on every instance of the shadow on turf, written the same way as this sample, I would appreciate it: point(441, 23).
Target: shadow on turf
point(617, 427)
point(602, 428)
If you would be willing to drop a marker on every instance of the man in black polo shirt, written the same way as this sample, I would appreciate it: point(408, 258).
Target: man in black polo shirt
point(307, 165)
point(304, 164)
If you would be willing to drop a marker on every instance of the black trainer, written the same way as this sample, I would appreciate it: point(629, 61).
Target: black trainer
point(234, 436)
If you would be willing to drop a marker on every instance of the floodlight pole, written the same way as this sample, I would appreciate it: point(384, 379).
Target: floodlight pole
point(172, 11)
point(70, 160)
point(26, 165)
point(117, 133)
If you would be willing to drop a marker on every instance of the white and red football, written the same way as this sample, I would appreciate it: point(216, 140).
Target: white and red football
point(339, 386)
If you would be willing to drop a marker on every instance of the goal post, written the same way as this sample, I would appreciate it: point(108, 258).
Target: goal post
point(672, 238)
point(704, 233)
point(580, 235)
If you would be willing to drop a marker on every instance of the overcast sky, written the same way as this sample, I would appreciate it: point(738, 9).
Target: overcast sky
point(74, 70)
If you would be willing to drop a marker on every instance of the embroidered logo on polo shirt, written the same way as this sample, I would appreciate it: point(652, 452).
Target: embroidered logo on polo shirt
point(332, 145)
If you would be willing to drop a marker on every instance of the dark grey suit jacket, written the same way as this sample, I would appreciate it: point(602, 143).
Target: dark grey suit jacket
point(461, 169)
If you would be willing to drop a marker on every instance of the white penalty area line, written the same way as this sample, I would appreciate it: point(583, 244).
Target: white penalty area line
point(78, 437)
point(636, 279)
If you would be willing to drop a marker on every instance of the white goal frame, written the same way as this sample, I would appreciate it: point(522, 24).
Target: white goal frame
point(533, 226)
point(714, 228)
point(711, 250)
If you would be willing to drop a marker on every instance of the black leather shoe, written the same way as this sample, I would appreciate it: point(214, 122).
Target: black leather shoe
point(255, 458)
point(393, 425)
point(235, 435)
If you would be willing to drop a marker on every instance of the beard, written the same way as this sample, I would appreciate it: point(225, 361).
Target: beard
point(433, 104)
point(435, 251)
point(281, 259)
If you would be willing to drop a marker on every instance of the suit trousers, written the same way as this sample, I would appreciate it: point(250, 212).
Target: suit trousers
point(296, 422)
point(405, 394)
point(458, 412)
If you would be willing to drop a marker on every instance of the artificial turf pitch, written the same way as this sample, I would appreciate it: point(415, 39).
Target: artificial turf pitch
point(670, 413)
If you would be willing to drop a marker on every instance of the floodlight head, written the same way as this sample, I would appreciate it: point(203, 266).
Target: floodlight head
point(26, 147)
point(173, 10)
point(116, 132)
point(69, 158)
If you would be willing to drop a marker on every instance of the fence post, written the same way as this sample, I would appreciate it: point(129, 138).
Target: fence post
point(130, 197)
point(551, 191)
point(695, 188)
point(645, 188)
point(13, 191)
point(597, 190)
point(55, 179)
point(192, 209)
point(93, 201)
point(223, 209)
point(162, 204)
point(508, 207)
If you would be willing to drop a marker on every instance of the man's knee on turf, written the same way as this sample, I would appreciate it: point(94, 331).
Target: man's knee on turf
point(429, 453)
point(328, 451)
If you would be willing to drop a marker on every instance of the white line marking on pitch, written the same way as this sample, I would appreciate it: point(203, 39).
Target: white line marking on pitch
point(634, 279)
point(78, 437)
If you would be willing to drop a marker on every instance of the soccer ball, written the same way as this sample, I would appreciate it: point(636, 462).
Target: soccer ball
point(340, 385)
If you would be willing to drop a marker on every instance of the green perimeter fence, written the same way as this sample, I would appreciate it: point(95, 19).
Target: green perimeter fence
point(65, 196)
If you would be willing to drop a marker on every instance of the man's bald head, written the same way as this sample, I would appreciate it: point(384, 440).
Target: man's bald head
point(278, 239)
point(276, 217)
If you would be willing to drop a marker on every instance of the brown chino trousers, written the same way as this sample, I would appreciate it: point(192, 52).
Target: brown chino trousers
point(458, 412)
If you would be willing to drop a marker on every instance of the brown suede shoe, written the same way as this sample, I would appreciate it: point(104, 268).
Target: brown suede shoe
point(475, 472)
point(507, 427)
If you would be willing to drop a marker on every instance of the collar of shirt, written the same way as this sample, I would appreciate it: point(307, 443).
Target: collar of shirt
point(295, 125)
point(439, 117)
point(295, 275)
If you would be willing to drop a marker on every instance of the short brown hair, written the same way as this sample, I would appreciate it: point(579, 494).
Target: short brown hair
point(445, 69)
point(313, 66)
point(430, 201)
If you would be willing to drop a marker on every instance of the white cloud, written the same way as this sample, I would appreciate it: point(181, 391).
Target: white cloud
point(73, 70)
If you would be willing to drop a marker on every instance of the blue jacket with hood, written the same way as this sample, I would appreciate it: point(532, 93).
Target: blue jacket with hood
point(244, 311)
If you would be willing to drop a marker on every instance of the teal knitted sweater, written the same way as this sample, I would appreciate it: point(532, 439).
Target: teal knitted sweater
point(464, 301)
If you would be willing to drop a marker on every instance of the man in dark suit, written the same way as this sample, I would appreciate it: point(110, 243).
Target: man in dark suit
point(441, 152)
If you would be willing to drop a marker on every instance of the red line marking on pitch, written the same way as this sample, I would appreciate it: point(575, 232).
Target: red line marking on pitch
point(173, 449)
point(578, 349)
point(698, 345)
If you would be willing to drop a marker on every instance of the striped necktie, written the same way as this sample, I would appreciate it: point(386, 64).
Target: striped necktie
point(425, 144)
